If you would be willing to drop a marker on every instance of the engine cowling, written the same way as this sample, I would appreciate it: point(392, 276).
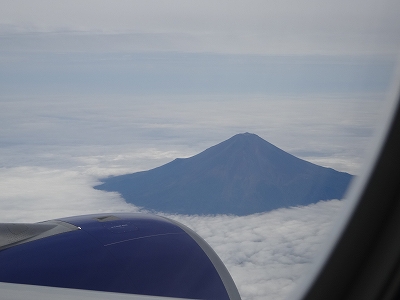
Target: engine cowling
point(127, 253)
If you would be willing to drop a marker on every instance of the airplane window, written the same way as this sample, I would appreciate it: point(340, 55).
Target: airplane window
point(244, 121)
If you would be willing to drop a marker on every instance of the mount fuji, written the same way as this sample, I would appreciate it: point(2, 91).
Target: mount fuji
point(242, 175)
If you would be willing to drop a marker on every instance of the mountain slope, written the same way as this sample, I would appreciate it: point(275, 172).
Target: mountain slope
point(242, 175)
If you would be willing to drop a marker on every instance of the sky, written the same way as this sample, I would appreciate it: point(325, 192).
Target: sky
point(90, 89)
point(257, 27)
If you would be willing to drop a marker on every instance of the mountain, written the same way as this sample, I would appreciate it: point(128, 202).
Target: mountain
point(242, 175)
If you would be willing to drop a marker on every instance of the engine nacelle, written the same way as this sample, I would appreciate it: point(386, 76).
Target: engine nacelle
point(126, 253)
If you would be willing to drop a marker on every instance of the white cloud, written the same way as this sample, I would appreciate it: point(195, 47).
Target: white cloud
point(266, 254)
point(33, 194)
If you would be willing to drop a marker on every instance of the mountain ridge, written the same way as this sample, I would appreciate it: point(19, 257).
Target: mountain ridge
point(242, 175)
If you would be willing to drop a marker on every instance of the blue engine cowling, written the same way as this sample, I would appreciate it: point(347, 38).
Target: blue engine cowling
point(126, 253)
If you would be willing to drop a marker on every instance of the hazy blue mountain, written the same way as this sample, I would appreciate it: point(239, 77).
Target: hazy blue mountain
point(242, 175)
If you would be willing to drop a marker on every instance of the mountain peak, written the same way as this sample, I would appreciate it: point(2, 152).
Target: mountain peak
point(246, 134)
point(242, 175)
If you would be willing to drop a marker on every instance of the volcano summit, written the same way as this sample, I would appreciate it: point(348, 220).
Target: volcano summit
point(242, 175)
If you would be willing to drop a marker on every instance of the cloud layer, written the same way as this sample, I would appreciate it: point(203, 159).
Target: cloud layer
point(265, 253)
point(133, 133)
point(54, 149)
